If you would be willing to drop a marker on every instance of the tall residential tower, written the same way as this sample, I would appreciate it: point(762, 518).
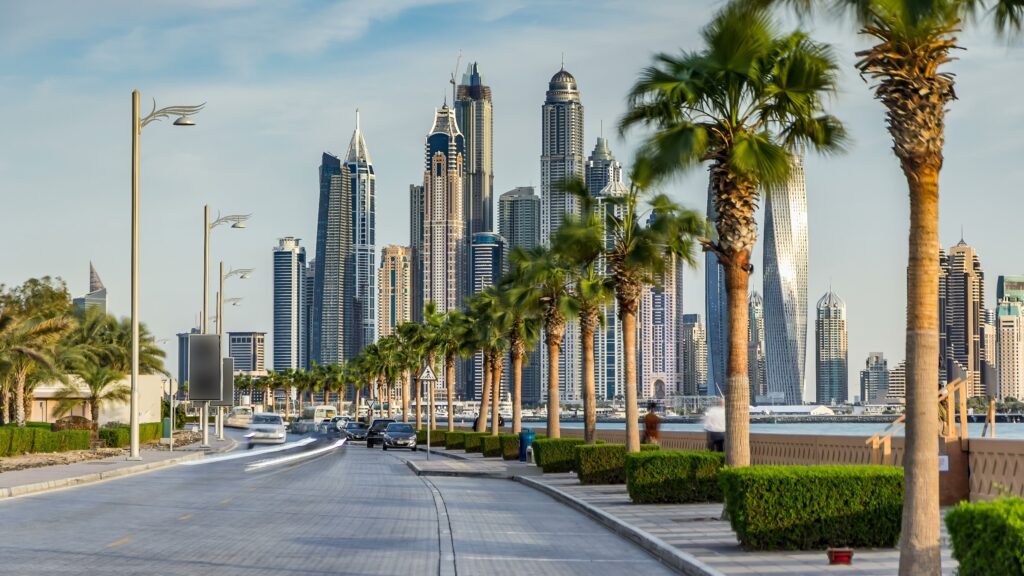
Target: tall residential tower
point(473, 108)
point(361, 321)
point(831, 365)
point(445, 262)
point(290, 329)
point(519, 224)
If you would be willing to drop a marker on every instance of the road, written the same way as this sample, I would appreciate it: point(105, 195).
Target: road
point(349, 511)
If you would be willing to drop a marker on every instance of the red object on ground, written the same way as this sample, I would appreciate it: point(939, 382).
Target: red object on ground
point(840, 555)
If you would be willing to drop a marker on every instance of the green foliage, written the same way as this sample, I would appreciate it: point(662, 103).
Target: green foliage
point(988, 537)
point(556, 454)
point(455, 440)
point(509, 446)
point(474, 441)
point(437, 437)
point(814, 507)
point(604, 463)
point(491, 446)
point(150, 432)
point(115, 437)
point(15, 441)
point(673, 476)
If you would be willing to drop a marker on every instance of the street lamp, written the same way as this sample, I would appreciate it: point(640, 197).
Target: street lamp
point(184, 113)
point(241, 273)
point(236, 221)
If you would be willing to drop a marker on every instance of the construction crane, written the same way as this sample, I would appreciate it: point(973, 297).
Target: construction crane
point(454, 72)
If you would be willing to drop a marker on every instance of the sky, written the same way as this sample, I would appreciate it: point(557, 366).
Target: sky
point(282, 80)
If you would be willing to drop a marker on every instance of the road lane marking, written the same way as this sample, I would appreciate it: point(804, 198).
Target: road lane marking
point(293, 457)
point(185, 517)
point(117, 543)
point(226, 501)
point(249, 453)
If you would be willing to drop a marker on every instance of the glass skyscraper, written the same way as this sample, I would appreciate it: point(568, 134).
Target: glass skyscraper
point(519, 224)
point(333, 249)
point(444, 243)
point(362, 320)
point(474, 110)
point(831, 361)
point(96, 297)
point(290, 331)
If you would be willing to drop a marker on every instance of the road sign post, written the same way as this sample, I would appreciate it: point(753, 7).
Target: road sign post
point(428, 377)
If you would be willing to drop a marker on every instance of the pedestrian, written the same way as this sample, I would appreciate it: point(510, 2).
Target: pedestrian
point(651, 424)
point(714, 425)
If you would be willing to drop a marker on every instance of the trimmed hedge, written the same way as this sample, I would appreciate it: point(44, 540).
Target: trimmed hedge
point(556, 454)
point(491, 446)
point(988, 537)
point(604, 463)
point(437, 437)
point(814, 507)
point(509, 446)
point(673, 476)
point(455, 440)
point(473, 441)
point(15, 441)
point(115, 437)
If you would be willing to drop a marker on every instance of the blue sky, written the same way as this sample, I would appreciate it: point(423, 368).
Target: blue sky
point(282, 81)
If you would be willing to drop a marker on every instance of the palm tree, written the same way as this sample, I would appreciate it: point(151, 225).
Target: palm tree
point(432, 321)
point(582, 242)
point(101, 384)
point(413, 341)
point(523, 333)
point(449, 344)
point(550, 278)
point(745, 103)
point(27, 345)
point(481, 337)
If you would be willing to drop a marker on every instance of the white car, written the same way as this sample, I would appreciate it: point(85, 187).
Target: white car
point(267, 428)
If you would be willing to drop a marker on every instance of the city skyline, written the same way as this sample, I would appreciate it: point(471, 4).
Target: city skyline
point(232, 165)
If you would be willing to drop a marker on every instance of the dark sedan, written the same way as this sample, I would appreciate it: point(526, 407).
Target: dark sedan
point(356, 430)
point(375, 434)
point(399, 435)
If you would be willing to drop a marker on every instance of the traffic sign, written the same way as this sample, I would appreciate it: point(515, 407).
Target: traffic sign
point(428, 375)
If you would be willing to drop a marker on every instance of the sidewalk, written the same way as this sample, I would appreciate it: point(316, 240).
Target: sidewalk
point(35, 480)
point(703, 543)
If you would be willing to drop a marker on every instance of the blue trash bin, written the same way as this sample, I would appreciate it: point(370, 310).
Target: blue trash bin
point(525, 441)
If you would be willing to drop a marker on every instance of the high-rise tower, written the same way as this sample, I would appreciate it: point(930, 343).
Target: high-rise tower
point(695, 355)
point(474, 109)
point(361, 321)
point(289, 305)
point(756, 371)
point(785, 284)
point(657, 336)
point(333, 251)
point(444, 243)
point(416, 214)
point(488, 256)
point(609, 359)
point(874, 379)
point(601, 168)
point(519, 224)
point(961, 313)
point(96, 297)
point(716, 305)
point(394, 284)
point(831, 366)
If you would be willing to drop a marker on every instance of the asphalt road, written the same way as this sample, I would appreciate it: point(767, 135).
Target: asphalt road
point(348, 511)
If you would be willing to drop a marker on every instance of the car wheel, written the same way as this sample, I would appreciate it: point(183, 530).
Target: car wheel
point(385, 447)
point(369, 444)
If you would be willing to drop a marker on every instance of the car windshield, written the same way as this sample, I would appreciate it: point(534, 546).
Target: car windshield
point(380, 425)
point(266, 419)
point(400, 428)
point(356, 425)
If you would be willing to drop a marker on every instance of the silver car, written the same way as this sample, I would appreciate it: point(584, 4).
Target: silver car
point(267, 428)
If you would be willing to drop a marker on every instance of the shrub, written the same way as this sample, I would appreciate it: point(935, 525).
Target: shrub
point(673, 476)
point(115, 437)
point(491, 446)
point(71, 423)
point(473, 441)
point(509, 446)
point(604, 463)
point(556, 454)
point(814, 507)
point(150, 431)
point(454, 440)
point(437, 437)
point(61, 441)
point(22, 440)
point(988, 537)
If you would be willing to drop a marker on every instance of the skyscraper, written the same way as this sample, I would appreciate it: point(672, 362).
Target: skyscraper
point(361, 321)
point(695, 355)
point(716, 305)
point(756, 371)
point(519, 224)
point(785, 284)
point(1010, 288)
point(1009, 353)
point(309, 288)
point(445, 261)
point(609, 359)
point(289, 304)
point(601, 168)
point(96, 297)
point(183, 355)
point(474, 109)
point(247, 350)
point(394, 283)
point(874, 379)
point(897, 384)
point(488, 256)
point(831, 366)
point(416, 214)
point(333, 251)
point(657, 335)
point(961, 316)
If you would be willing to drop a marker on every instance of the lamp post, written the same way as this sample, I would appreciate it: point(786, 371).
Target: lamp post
point(241, 273)
point(236, 221)
point(183, 113)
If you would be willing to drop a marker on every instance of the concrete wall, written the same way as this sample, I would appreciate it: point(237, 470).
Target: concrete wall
point(151, 390)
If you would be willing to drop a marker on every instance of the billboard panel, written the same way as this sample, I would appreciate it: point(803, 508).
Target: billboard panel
point(204, 367)
point(227, 383)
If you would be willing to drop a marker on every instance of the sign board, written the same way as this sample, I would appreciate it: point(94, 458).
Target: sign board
point(428, 375)
point(204, 367)
point(943, 463)
point(227, 383)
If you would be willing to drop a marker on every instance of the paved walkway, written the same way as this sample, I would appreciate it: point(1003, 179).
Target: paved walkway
point(696, 529)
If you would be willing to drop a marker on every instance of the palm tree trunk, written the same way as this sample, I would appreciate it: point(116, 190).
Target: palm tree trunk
point(387, 386)
point(737, 409)
point(19, 397)
point(920, 551)
point(517, 390)
point(496, 361)
point(554, 410)
point(450, 377)
point(5, 408)
point(589, 395)
point(359, 390)
point(94, 412)
point(405, 397)
point(485, 397)
point(628, 316)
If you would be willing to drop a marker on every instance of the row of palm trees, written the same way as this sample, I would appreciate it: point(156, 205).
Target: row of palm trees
point(44, 340)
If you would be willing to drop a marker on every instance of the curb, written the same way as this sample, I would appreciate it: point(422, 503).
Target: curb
point(34, 488)
point(680, 561)
point(456, 473)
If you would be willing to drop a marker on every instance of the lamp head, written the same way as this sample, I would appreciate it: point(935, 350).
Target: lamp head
point(184, 121)
point(238, 224)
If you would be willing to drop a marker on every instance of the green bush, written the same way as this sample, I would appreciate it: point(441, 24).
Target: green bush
point(455, 440)
point(814, 507)
point(509, 446)
point(437, 437)
point(491, 446)
point(473, 441)
point(22, 440)
point(115, 437)
point(988, 537)
point(604, 463)
point(15, 441)
point(150, 431)
point(673, 476)
point(556, 454)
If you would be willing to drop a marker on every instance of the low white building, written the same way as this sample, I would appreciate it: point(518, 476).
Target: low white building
point(794, 410)
point(151, 391)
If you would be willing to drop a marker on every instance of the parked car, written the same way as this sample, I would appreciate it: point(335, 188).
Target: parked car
point(267, 428)
point(375, 434)
point(400, 435)
point(356, 430)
